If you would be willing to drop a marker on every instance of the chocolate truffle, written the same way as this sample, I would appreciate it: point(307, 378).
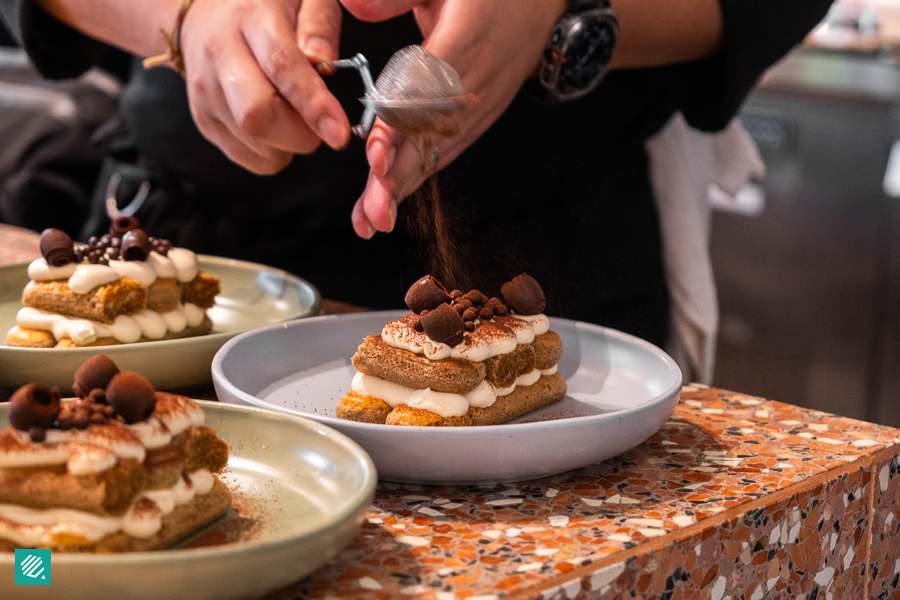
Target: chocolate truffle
point(444, 325)
point(426, 294)
point(94, 373)
point(524, 295)
point(57, 247)
point(34, 405)
point(132, 396)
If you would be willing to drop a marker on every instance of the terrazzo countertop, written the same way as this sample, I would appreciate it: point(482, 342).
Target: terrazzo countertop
point(735, 497)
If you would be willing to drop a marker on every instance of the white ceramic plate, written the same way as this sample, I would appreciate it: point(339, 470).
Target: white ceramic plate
point(621, 390)
point(252, 296)
point(300, 493)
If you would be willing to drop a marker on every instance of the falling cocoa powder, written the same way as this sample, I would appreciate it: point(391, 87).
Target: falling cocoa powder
point(431, 224)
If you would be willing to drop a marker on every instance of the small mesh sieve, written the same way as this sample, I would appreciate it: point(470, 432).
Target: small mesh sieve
point(417, 92)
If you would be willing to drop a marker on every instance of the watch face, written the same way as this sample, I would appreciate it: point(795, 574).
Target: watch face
point(577, 54)
point(587, 53)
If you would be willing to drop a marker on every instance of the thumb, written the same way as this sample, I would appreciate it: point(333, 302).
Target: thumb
point(319, 29)
point(379, 10)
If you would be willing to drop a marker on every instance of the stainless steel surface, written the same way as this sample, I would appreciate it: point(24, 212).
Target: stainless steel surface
point(416, 92)
point(810, 288)
point(419, 92)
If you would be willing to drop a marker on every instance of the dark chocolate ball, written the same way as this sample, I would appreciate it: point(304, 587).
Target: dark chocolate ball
point(524, 295)
point(57, 247)
point(34, 405)
point(426, 294)
point(132, 396)
point(444, 325)
point(94, 373)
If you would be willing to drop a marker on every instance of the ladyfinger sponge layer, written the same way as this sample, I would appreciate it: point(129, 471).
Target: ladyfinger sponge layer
point(103, 303)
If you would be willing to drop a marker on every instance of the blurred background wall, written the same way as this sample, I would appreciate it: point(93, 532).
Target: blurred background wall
point(807, 262)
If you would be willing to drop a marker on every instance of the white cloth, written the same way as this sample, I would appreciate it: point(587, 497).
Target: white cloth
point(684, 163)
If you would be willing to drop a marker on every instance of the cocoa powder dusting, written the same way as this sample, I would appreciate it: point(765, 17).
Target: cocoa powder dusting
point(243, 522)
point(234, 528)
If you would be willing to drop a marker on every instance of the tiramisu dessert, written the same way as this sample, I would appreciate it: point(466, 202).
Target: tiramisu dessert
point(121, 288)
point(121, 468)
point(458, 359)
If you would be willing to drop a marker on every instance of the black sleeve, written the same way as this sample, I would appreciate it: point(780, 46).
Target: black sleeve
point(10, 11)
point(57, 50)
point(757, 34)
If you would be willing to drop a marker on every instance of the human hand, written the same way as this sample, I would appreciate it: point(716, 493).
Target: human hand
point(494, 45)
point(252, 85)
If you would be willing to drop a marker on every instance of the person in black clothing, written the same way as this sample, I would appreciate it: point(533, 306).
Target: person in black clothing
point(558, 190)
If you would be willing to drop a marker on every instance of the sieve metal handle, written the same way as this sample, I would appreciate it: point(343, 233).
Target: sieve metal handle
point(361, 64)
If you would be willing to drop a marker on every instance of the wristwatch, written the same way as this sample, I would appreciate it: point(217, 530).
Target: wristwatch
point(578, 50)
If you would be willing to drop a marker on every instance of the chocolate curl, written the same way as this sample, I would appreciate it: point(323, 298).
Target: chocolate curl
point(34, 405)
point(122, 225)
point(57, 247)
point(426, 294)
point(444, 325)
point(135, 245)
point(524, 295)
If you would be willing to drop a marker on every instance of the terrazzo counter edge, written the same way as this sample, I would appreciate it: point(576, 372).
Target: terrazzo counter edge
point(734, 497)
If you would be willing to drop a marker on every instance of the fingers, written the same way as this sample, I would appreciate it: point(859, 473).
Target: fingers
point(381, 150)
point(291, 73)
point(379, 10)
point(399, 165)
point(266, 161)
point(261, 116)
point(319, 30)
point(237, 108)
point(252, 91)
point(214, 116)
point(494, 45)
point(361, 224)
point(378, 203)
point(376, 209)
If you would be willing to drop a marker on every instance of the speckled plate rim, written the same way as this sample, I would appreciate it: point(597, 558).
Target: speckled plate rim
point(206, 344)
point(202, 260)
point(621, 390)
point(364, 497)
point(673, 390)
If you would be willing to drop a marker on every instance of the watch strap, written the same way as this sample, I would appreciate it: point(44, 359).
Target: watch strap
point(582, 5)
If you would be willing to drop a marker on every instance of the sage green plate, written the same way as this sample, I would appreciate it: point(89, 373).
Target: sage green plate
point(252, 296)
point(300, 493)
